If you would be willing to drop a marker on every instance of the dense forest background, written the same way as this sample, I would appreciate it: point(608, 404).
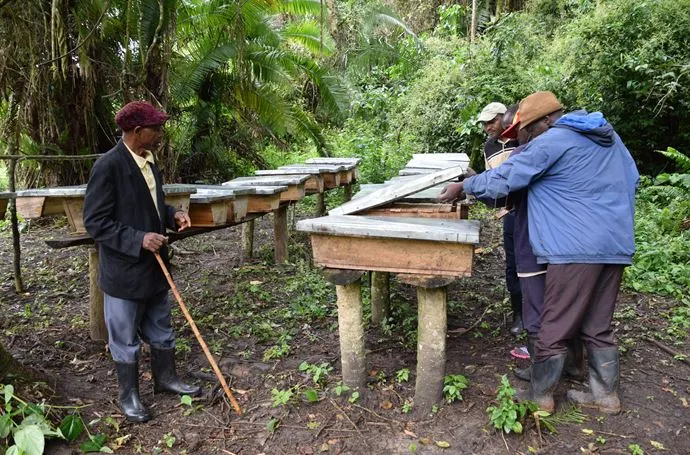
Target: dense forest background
point(259, 83)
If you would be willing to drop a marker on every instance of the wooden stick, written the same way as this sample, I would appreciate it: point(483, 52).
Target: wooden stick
point(201, 341)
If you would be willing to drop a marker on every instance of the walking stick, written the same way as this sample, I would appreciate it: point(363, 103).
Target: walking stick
point(192, 324)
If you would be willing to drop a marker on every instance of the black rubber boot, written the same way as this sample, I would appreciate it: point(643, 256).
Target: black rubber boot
point(604, 370)
point(545, 377)
point(526, 373)
point(516, 304)
point(165, 377)
point(128, 381)
point(575, 361)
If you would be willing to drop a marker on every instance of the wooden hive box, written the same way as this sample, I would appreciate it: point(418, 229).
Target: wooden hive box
point(390, 244)
point(262, 199)
point(296, 184)
point(314, 183)
point(330, 172)
point(218, 206)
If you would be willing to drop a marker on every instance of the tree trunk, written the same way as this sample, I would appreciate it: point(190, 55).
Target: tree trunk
point(12, 129)
point(473, 25)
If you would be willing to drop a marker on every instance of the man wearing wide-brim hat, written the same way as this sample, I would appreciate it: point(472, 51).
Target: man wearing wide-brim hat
point(125, 213)
point(581, 182)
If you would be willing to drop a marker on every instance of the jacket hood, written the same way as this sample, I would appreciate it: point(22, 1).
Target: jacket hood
point(591, 125)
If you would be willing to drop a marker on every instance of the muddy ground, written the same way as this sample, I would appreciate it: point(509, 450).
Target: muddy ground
point(262, 321)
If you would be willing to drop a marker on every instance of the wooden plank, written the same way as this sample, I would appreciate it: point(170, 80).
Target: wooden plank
point(396, 255)
point(280, 234)
point(442, 156)
point(331, 180)
point(393, 192)
point(237, 211)
point(178, 201)
point(450, 231)
point(3, 207)
point(270, 180)
point(30, 207)
point(74, 209)
point(422, 210)
point(334, 160)
point(208, 214)
point(263, 203)
point(314, 185)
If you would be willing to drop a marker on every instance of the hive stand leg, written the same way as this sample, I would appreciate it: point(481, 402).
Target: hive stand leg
point(350, 326)
point(380, 297)
point(321, 204)
point(97, 328)
point(247, 240)
point(431, 347)
point(280, 234)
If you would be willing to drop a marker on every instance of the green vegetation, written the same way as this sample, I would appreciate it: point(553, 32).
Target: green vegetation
point(508, 415)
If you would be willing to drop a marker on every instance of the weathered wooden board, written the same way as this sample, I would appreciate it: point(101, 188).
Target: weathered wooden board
point(396, 255)
point(460, 231)
point(330, 172)
point(334, 160)
point(428, 195)
point(314, 184)
point(432, 164)
point(295, 185)
point(263, 203)
point(421, 210)
point(443, 156)
point(392, 192)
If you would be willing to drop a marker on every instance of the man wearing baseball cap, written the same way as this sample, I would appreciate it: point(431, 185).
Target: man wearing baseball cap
point(497, 150)
point(125, 213)
point(581, 182)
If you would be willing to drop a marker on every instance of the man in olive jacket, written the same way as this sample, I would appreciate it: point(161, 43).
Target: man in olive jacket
point(125, 213)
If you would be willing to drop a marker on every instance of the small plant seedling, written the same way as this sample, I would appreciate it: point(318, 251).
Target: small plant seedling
point(317, 372)
point(635, 449)
point(402, 375)
point(340, 388)
point(453, 384)
point(508, 414)
point(354, 397)
point(407, 406)
point(281, 397)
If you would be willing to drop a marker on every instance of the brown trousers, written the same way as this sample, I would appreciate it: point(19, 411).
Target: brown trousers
point(578, 302)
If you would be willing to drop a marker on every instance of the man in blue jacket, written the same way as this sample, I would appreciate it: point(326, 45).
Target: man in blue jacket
point(581, 182)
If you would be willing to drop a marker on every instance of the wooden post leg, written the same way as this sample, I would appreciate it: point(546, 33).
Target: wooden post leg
point(320, 204)
point(280, 234)
point(380, 296)
point(431, 347)
point(247, 240)
point(347, 192)
point(97, 328)
point(351, 332)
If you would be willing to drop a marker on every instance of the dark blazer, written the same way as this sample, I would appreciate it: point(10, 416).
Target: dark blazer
point(118, 211)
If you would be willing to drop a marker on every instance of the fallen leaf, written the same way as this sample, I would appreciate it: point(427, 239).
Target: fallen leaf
point(684, 401)
point(657, 445)
point(443, 444)
point(324, 447)
point(426, 441)
point(587, 431)
point(386, 405)
point(256, 282)
point(409, 433)
point(332, 441)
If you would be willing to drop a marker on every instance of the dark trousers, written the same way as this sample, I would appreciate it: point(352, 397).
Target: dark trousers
point(512, 281)
point(579, 300)
point(128, 320)
point(532, 301)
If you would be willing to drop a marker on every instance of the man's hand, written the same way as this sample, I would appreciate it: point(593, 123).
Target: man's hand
point(153, 241)
point(182, 220)
point(452, 192)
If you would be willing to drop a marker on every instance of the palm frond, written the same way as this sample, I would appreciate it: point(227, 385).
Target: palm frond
point(307, 125)
point(331, 91)
point(308, 35)
point(384, 17)
point(301, 7)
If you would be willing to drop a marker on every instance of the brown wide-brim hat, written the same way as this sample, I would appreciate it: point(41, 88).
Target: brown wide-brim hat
point(139, 113)
point(537, 106)
point(512, 131)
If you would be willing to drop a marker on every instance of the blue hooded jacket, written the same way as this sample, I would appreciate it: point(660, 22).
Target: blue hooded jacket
point(581, 183)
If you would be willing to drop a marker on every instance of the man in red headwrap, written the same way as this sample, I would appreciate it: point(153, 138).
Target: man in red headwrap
point(125, 213)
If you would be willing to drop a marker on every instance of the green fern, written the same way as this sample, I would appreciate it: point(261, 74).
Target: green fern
point(681, 160)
